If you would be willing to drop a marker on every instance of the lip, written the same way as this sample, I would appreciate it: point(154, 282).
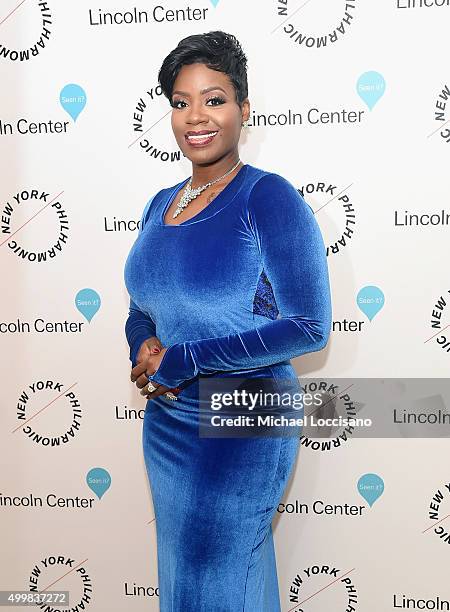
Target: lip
point(200, 132)
point(203, 141)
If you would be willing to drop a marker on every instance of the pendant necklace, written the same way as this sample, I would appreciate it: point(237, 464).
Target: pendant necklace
point(190, 194)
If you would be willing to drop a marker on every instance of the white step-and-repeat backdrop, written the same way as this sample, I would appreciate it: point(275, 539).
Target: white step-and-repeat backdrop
point(350, 102)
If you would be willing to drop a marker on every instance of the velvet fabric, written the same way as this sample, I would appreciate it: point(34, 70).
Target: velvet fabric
point(238, 290)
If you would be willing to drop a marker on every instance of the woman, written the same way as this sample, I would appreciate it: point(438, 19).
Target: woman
point(228, 277)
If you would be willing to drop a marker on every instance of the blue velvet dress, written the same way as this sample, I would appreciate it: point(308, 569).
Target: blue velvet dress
point(238, 290)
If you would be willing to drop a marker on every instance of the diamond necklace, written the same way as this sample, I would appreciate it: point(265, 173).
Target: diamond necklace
point(190, 194)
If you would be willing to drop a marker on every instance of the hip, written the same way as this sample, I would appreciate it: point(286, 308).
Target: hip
point(195, 394)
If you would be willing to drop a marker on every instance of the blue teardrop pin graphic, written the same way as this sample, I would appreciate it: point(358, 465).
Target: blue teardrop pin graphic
point(98, 480)
point(371, 87)
point(370, 300)
point(87, 302)
point(371, 487)
point(73, 99)
point(214, 3)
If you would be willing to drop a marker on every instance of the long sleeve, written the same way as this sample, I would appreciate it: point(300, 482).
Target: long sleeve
point(138, 326)
point(294, 258)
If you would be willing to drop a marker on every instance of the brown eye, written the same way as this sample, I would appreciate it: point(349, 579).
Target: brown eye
point(218, 99)
point(175, 102)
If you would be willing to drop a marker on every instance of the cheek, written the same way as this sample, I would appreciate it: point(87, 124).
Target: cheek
point(176, 120)
point(231, 131)
point(231, 124)
point(177, 129)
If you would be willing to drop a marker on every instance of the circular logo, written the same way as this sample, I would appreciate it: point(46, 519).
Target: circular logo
point(48, 413)
point(340, 215)
point(335, 405)
point(322, 587)
point(34, 226)
point(41, 13)
point(439, 323)
point(439, 513)
point(148, 130)
point(69, 575)
point(299, 23)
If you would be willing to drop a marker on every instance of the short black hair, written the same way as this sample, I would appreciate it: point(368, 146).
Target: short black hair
point(217, 50)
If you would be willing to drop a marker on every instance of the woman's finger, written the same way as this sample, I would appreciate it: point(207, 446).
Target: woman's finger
point(160, 390)
point(149, 387)
point(142, 371)
point(142, 381)
point(154, 345)
point(138, 370)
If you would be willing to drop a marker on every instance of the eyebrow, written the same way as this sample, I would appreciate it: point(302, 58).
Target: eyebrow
point(203, 91)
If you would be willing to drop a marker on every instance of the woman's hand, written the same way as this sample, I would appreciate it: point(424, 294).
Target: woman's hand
point(148, 359)
point(149, 347)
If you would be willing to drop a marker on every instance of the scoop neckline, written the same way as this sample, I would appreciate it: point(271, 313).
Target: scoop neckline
point(209, 210)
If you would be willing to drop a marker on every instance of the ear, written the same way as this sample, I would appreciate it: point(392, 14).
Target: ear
point(245, 109)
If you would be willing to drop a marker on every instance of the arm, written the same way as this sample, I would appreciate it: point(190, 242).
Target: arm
point(294, 258)
point(139, 326)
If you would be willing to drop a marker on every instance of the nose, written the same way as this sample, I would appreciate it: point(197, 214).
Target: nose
point(196, 113)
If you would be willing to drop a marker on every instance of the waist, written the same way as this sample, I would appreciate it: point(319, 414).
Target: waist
point(195, 395)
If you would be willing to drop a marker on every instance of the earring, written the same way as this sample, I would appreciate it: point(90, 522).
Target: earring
point(245, 124)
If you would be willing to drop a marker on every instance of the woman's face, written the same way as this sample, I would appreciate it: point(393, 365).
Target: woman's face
point(215, 111)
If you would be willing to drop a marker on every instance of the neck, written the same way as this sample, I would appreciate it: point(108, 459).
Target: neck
point(204, 173)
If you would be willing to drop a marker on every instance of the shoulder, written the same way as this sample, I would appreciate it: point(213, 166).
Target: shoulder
point(271, 194)
point(273, 184)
